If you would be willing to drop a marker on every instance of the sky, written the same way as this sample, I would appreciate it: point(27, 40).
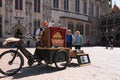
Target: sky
point(117, 2)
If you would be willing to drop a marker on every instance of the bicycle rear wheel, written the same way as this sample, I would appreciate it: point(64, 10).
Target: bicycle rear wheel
point(10, 62)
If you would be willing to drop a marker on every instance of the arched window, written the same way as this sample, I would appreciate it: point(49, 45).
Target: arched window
point(56, 3)
point(79, 27)
point(19, 4)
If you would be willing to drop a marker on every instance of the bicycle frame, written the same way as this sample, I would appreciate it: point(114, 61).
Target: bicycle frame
point(20, 47)
point(26, 53)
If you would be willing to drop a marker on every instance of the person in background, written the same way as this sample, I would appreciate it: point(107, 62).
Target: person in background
point(107, 43)
point(78, 40)
point(69, 39)
point(18, 34)
point(111, 44)
point(88, 42)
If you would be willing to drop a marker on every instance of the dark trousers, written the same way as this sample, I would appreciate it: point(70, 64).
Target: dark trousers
point(77, 46)
point(37, 52)
point(69, 45)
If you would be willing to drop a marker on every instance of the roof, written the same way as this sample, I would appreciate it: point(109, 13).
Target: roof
point(115, 8)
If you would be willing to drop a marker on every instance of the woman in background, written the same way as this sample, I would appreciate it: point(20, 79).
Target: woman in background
point(78, 40)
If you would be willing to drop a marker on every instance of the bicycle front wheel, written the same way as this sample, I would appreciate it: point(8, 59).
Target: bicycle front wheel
point(10, 62)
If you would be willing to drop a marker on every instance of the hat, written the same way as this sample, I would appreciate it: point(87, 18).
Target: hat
point(69, 30)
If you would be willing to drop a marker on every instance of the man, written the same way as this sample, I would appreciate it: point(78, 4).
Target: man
point(38, 36)
point(38, 33)
point(69, 39)
point(18, 34)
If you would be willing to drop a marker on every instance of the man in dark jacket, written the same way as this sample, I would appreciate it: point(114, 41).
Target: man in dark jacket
point(69, 39)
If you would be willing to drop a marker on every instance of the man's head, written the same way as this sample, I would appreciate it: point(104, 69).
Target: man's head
point(68, 31)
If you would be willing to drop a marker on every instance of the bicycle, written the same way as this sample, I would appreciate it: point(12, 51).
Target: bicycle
point(11, 61)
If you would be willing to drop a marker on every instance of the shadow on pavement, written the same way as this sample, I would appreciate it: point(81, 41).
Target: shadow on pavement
point(73, 65)
point(34, 70)
point(3, 76)
point(37, 70)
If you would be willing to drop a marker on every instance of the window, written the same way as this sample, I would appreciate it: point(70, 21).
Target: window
point(77, 5)
point(84, 7)
point(92, 9)
point(0, 3)
point(37, 24)
point(56, 3)
point(103, 29)
point(87, 30)
point(110, 22)
point(117, 20)
point(90, 6)
point(70, 26)
point(19, 4)
point(97, 11)
point(103, 22)
point(36, 5)
point(66, 5)
point(0, 26)
point(79, 27)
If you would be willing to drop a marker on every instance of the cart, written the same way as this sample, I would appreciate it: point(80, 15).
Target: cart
point(59, 56)
point(50, 49)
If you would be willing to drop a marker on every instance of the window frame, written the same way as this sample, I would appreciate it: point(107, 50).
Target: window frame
point(66, 5)
point(77, 5)
point(19, 4)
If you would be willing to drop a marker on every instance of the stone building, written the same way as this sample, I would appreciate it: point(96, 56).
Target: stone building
point(110, 26)
point(28, 15)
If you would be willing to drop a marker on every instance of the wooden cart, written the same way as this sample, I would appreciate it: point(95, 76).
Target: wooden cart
point(59, 56)
point(52, 48)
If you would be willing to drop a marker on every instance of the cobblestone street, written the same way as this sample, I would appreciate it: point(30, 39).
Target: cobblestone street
point(105, 65)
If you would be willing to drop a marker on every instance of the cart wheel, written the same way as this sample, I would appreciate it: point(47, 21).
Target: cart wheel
point(61, 59)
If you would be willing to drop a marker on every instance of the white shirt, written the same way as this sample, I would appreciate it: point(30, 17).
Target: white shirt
point(37, 32)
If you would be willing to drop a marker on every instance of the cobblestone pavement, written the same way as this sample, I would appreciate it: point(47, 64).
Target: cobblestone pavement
point(105, 65)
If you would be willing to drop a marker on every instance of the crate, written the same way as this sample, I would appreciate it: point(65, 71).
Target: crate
point(82, 58)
